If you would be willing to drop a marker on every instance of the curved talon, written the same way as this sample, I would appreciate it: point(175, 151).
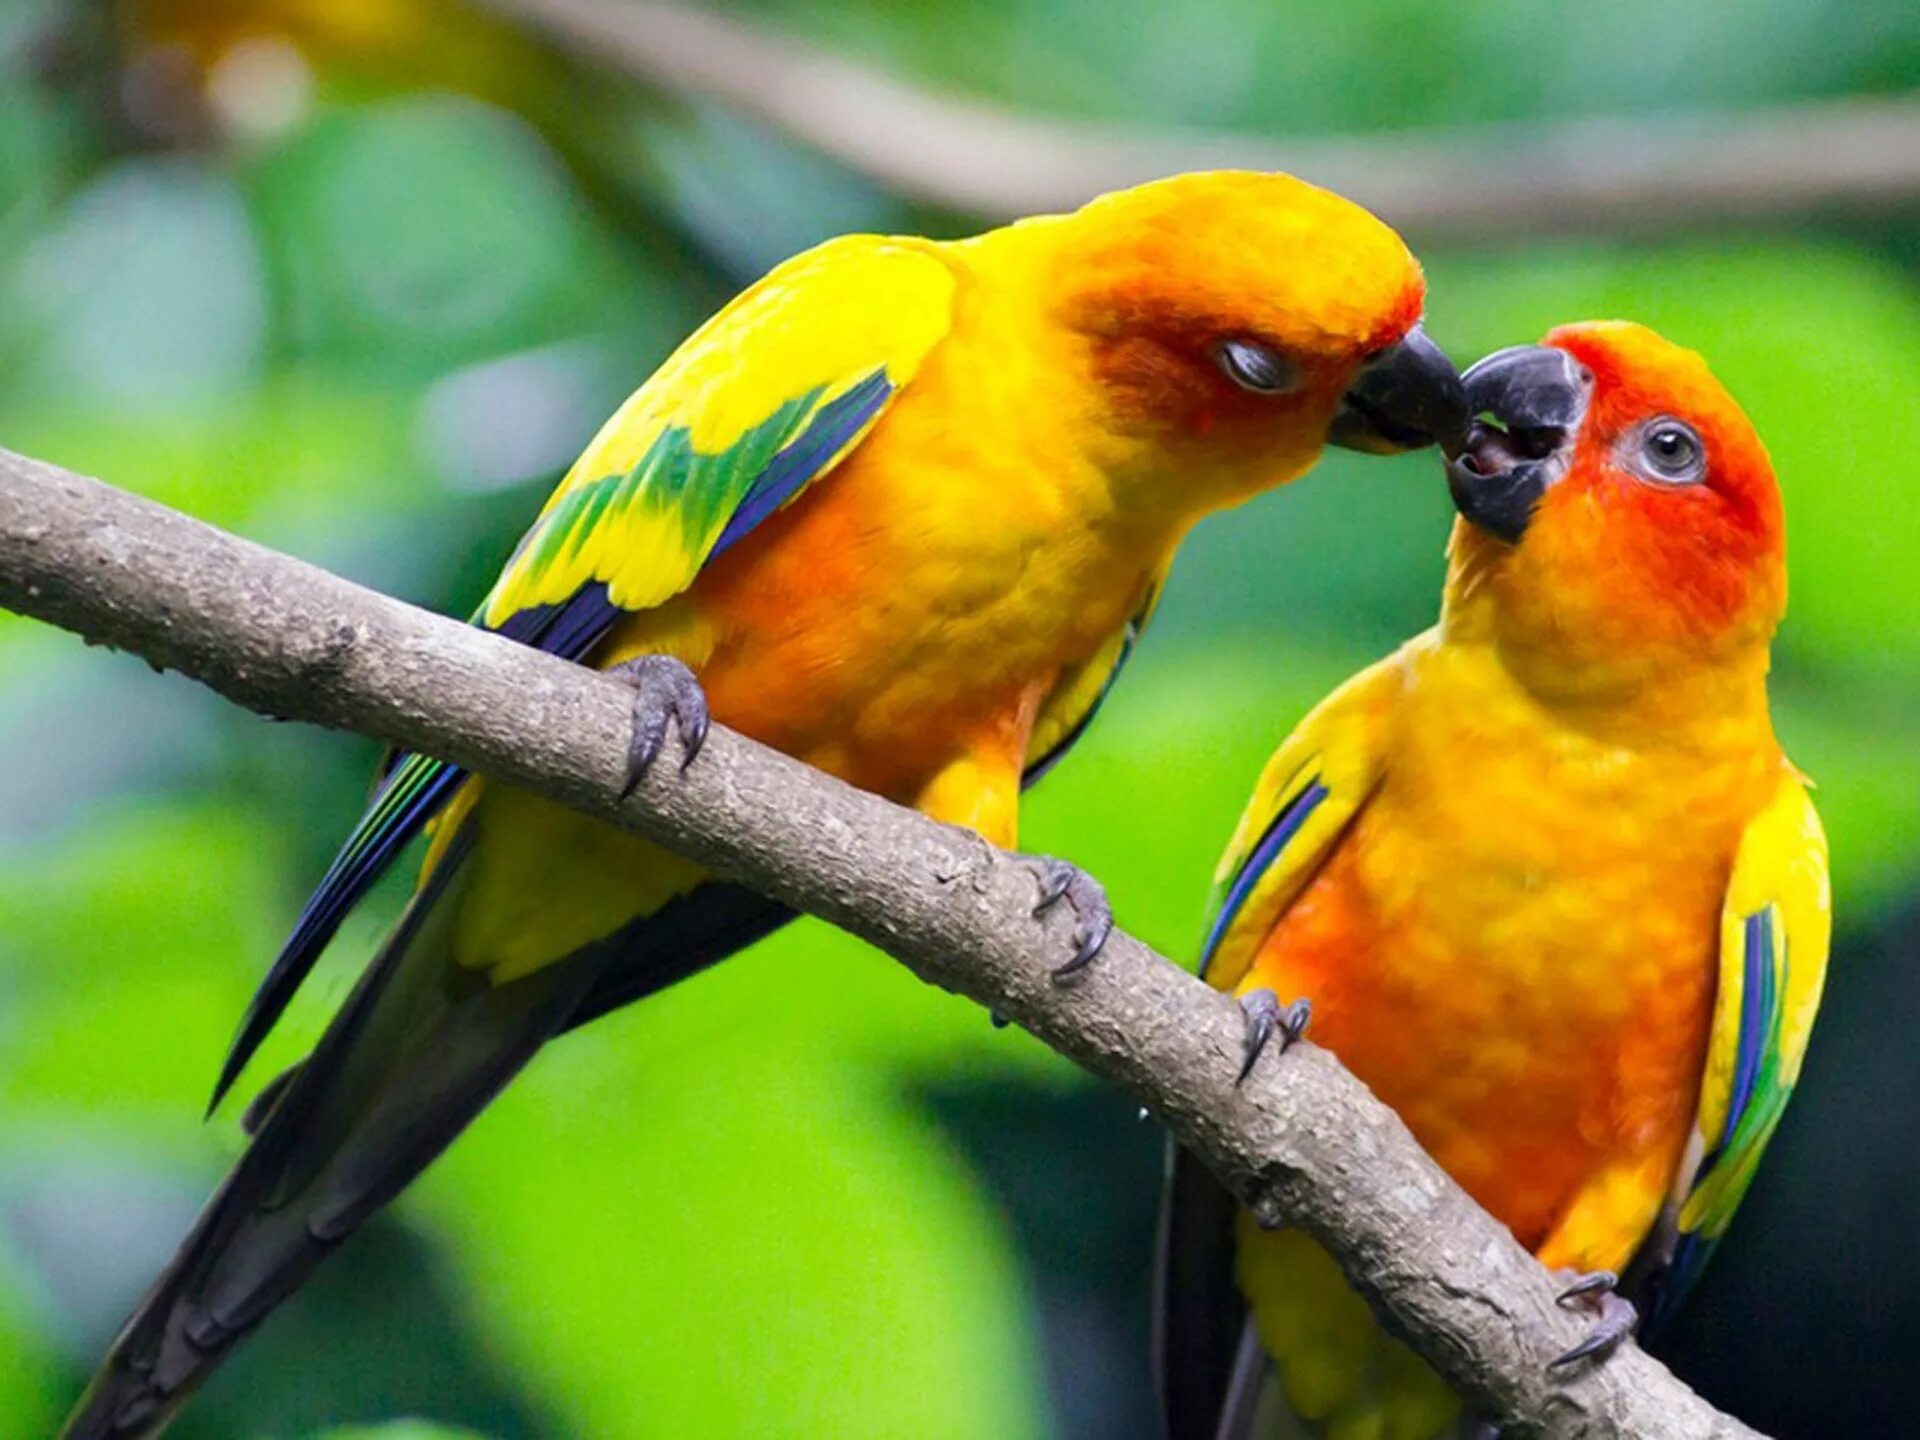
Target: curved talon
point(1264, 1015)
point(664, 689)
point(1617, 1317)
point(1594, 1282)
point(1093, 914)
point(1056, 878)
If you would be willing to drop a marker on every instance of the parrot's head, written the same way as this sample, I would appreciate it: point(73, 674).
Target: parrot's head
point(1227, 326)
point(1619, 513)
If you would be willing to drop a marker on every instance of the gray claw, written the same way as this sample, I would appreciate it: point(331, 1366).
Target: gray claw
point(1617, 1317)
point(1093, 915)
point(1594, 1282)
point(1265, 1015)
point(663, 690)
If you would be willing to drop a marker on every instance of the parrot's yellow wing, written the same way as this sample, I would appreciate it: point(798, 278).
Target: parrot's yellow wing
point(760, 402)
point(1314, 785)
point(1774, 931)
point(1211, 1366)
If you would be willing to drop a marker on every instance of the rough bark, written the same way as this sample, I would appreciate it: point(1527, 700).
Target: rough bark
point(1303, 1141)
point(1498, 183)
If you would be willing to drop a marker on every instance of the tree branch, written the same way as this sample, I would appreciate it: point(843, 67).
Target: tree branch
point(1303, 1142)
point(1481, 183)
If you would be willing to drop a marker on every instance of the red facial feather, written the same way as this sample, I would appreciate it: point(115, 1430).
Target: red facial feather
point(1705, 558)
point(1167, 375)
point(1171, 270)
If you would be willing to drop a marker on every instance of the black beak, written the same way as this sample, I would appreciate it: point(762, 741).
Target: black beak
point(1532, 398)
point(1405, 397)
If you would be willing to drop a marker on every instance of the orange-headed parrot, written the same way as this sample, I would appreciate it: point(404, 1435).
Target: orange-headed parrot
point(902, 508)
point(1548, 882)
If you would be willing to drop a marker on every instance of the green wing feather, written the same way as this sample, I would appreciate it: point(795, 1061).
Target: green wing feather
point(761, 402)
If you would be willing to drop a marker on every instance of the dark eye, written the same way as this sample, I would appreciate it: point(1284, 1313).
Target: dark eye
point(1671, 452)
point(1253, 366)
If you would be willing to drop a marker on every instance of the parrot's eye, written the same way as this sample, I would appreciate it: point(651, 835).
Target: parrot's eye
point(1670, 452)
point(1253, 366)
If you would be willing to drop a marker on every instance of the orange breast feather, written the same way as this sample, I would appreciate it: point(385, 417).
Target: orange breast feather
point(1525, 972)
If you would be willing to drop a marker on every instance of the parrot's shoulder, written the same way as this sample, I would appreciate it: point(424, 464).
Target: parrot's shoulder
point(761, 401)
point(1319, 779)
point(848, 296)
point(826, 319)
point(840, 303)
point(1784, 841)
point(1344, 734)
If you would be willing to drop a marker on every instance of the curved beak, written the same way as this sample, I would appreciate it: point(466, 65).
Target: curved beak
point(1406, 397)
point(1528, 402)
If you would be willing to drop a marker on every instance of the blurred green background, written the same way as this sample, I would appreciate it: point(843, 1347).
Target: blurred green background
point(358, 278)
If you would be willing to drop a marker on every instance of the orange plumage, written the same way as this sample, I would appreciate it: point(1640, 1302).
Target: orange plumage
point(902, 508)
point(1530, 854)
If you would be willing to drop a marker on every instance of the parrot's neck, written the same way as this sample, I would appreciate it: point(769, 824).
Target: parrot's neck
point(1596, 656)
point(1694, 699)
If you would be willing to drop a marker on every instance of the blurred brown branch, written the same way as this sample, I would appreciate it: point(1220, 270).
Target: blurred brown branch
point(1303, 1143)
point(1486, 183)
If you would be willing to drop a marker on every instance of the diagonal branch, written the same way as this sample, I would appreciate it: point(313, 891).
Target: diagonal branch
point(1303, 1142)
point(1492, 182)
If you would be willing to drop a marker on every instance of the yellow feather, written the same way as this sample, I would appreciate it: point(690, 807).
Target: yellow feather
point(826, 319)
point(1338, 1368)
point(1341, 745)
point(1782, 863)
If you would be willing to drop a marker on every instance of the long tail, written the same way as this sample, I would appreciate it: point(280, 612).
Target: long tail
point(420, 1047)
point(1205, 1368)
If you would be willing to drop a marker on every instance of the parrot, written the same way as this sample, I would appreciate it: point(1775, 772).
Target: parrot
point(900, 510)
point(1543, 879)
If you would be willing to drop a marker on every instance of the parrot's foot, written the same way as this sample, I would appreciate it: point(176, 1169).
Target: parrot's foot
point(1616, 1317)
point(1093, 915)
point(663, 690)
point(1265, 1015)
